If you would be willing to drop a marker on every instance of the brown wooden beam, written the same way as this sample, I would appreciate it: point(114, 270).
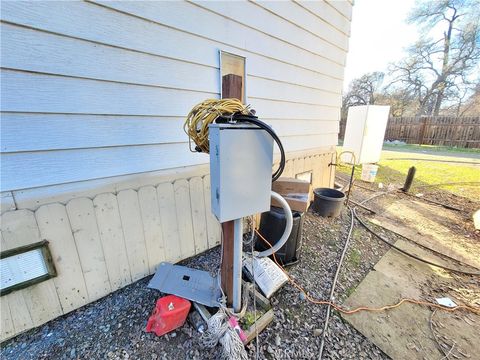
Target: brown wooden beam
point(226, 272)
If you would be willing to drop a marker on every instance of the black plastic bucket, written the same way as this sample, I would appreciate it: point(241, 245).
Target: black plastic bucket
point(327, 202)
point(272, 225)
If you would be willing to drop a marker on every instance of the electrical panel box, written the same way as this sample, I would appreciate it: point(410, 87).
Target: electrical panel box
point(364, 133)
point(241, 158)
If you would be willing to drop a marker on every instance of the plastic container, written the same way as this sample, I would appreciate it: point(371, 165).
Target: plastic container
point(169, 314)
point(327, 202)
point(369, 172)
point(272, 225)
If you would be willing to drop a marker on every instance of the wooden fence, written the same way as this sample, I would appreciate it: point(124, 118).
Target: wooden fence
point(432, 130)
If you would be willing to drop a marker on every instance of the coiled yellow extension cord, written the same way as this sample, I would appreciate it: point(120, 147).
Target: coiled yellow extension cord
point(205, 113)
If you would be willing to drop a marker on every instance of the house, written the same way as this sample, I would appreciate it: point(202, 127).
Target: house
point(94, 159)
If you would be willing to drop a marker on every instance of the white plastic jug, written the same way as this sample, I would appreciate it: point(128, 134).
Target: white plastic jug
point(369, 171)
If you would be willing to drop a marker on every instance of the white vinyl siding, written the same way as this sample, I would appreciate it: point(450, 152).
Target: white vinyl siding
point(92, 90)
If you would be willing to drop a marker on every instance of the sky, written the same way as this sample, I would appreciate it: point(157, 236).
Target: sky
point(379, 34)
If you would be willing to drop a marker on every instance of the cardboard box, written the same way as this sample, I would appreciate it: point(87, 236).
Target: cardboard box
point(295, 191)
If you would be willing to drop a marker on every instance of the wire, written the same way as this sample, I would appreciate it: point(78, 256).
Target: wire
point(409, 254)
point(229, 110)
point(334, 283)
point(473, 309)
point(204, 114)
point(427, 247)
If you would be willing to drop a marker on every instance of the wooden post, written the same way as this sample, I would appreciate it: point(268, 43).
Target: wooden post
point(226, 269)
point(232, 86)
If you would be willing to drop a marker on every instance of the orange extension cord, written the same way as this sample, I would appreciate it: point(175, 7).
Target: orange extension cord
point(474, 310)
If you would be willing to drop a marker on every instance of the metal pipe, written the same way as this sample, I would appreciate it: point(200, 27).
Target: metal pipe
point(237, 264)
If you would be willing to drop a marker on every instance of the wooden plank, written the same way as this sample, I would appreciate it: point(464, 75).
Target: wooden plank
point(19, 228)
point(6, 198)
point(6, 323)
point(55, 227)
point(132, 225)
point(213, 226)
point(113, 243)
point(226, 267)
point(288, 170)
point(19, 128)
point(26, 170)
point(197, 201)
point(7, 328)
point(168, 214)
point(298, 166)
point(21, 317)
point(184, 217)
point(89, 246)
point(152, 226)
point(59, 94)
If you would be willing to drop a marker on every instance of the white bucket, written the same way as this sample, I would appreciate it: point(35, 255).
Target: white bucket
point(369, 171)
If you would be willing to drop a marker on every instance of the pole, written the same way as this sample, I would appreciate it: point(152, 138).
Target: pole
point(237, 264)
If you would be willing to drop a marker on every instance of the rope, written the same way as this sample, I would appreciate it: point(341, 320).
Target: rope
point(204, 114)
point(473, 309)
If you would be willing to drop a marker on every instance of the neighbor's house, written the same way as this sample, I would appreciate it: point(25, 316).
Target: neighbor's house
point(93, 154)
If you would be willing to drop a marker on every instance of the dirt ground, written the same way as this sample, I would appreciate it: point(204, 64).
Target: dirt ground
point(114, 327)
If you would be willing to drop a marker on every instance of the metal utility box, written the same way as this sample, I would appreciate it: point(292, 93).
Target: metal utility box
point(241, 157)
point(364, 132)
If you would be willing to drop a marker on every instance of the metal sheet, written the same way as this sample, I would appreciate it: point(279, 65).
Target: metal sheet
point(191, 284)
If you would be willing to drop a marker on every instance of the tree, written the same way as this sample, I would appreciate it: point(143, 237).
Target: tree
point(362, 91)
point(438, 70)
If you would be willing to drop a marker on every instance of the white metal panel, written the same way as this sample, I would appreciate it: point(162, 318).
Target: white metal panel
point(28, 92)
point(256, 17)
point(374, 133)
point(26, 170)
point(241, 158)
point(364, 132)
point(180, 14)
point(70, 131)
point(301, 17)
point(28, 49)
point(326, 12)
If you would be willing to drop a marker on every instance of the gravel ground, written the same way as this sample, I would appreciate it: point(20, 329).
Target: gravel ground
point(113, 327)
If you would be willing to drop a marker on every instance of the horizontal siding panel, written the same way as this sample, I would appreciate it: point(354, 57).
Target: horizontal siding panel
point(270, 109)
point(25, 170)
point(342, 6)
point(63, 131)
point(326, 12)
point(28, 92)
point(269, 89)
point(108, 27)
point(35, 169)
point(179, 15)
point(256, 17)
point(301, 17)
point(28, 49)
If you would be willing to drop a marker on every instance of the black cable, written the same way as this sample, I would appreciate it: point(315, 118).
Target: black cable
point(254, 120)
point(409, 254)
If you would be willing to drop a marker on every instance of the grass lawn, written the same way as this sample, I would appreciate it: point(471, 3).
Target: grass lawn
point(430, 149)
point(393, 168)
